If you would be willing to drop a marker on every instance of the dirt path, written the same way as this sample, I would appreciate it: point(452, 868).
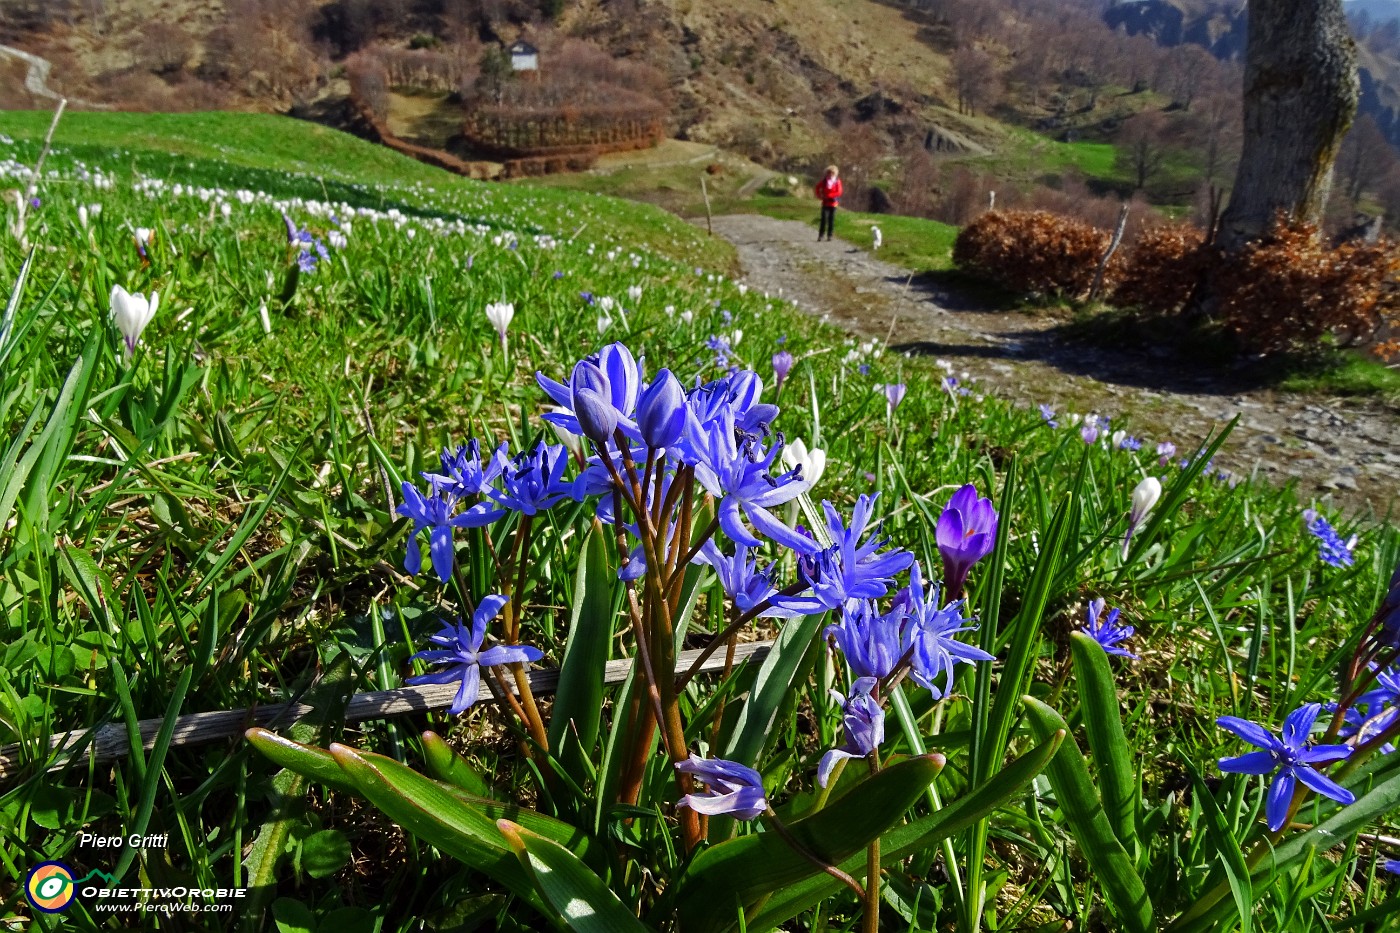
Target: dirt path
point(1342, 450)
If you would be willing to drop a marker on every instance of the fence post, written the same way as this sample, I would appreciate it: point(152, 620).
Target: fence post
point(705, 191)
point(1112, 248)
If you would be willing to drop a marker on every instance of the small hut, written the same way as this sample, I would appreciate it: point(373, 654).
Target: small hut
point(524, 56)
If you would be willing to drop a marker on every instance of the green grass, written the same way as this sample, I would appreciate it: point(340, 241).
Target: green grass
point(1346, 373)
point(210, 525)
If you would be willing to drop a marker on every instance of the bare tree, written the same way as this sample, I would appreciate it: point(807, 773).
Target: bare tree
point(1142, 146)
point(1300, 96)
point(1365, 159)
point(975, 80)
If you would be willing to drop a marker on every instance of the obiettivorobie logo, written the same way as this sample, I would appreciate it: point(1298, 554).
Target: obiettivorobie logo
point(51, 886)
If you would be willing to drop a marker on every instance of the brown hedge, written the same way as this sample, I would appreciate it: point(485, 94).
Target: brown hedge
point(1033, 252)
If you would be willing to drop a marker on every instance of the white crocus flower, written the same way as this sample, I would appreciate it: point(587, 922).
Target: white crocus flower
point(634, 293)
point(263, 316)
point(83, 216)
point(812, 462)
point(604, 322)
point(1145, 496)
point(131, 314)
point(499, 314)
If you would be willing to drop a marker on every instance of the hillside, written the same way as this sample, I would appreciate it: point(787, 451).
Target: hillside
point(1220, 26)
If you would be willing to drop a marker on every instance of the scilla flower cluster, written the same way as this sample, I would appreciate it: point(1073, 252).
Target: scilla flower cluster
point(686, 476)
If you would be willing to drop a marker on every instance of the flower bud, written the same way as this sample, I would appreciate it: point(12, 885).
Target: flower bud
point(592, 406)
point(1145, 496)
point(661, 411)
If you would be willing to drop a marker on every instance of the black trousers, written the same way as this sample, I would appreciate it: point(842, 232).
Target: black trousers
point(828, 222)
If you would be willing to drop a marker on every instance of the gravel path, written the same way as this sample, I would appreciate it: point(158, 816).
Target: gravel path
point(1341, 450)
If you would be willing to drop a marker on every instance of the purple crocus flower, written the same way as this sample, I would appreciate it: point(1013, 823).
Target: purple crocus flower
point(732, 789)
point(848, 569)
point(1392, 866)
point(864, 721)
point(436, 514)
point(872, 644)
point(932, 631)
point(1090, 433)
point(1390, 612)
point(1165, 451)
point(1291, 757)
point(1047, 414)
point(782, 365)
point(460, 649)
point(1106, 631)
point(966, 533)
point(894, 394)
point(1332, 549)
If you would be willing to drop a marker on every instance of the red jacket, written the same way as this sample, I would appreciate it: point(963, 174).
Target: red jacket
point(829, 190)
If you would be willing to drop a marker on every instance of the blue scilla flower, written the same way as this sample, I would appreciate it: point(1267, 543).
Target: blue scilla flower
point(534, 482)
point(738, 394)
point(463, 474)
point(1105, 630)
point(437, 514)
point(1290, 756)
point(1047, 414)
point(459, 648)
point(732, 789)
point(741, 579)
point(932, 632)
point(849, 568)
point(1334, 551)
point(864, 722)
point(739, 477)
point(872, 644)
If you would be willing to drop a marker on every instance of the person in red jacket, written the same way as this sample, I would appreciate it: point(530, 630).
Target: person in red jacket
point(829, 191)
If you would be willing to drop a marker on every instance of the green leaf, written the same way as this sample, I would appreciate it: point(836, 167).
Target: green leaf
point(778, 676)
point(447, 766)
point(581, 901)
point(916, 836)
point(578, 703)
point(306, 760)
point(293, 916)
point(1236, 871)
point(457, 823)
point(1023, 636)
point(1123, 889)
point(299, 762)
point(734, 874)
point(1341, 826)
point(1103, 724)
point(325, 853)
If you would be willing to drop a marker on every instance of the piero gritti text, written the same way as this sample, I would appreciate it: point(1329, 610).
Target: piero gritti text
point(133, 841)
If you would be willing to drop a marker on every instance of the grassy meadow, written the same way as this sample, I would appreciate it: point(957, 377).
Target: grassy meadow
point(208, 523)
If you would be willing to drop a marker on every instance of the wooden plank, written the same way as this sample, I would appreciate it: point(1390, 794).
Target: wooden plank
point(111, 741)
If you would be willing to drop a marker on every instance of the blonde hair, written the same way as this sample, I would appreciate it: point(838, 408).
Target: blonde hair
point(832, 170)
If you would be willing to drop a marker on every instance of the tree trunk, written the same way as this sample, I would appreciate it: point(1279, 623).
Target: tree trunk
point(1300, 95)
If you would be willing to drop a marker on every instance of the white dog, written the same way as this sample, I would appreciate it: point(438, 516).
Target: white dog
point(875, 232)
